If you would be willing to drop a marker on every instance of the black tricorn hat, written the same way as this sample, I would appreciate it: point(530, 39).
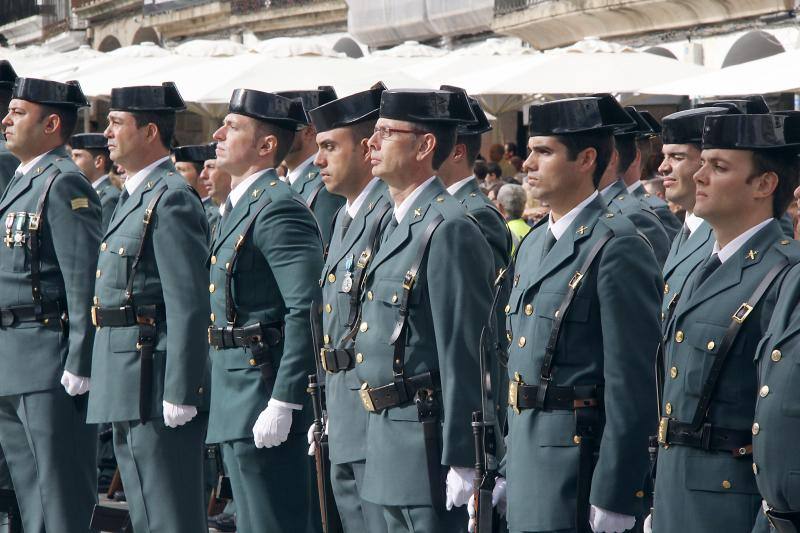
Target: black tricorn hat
point(48, 92)
point(480, 124)
point(348, 110)
point(7, 75)
point(641, 129)
point(164, 98)
point(749, 105)
point(578, 115)
point(89, 141)
point(752, 132)
point(270, 107)
point(312, 98)
point(195, 153)
point(686, 127)
point(651, 121)
point(426, 106)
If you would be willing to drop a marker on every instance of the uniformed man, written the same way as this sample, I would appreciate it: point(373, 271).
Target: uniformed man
point(52, 230)
point(90, 153)
point(189, 161)
point(304, 176)
point(682, 135)
point(428, 295)
point(8, 162)
point(705, 479)
point(266, 256)
point(343, 128)
point(217, 183)
point(150, 350)
point(583, 327)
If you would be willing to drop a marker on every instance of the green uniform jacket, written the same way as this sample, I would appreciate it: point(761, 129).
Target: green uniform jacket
point(684, 256)
point(668, 219)
point(778, 403)
point(37, 354)
point(348, 426)
point(787, 225)
point(449, 304)
point(109, 196)
point(696, 490)
point(8, 165)
point(618, 200)
point(608, 338)
point(172, 273)
point(275, 279)
point(324, 204)
point(212, 214)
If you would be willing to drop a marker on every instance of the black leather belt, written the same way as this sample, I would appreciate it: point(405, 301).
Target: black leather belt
point(11, 316)
point(522, 396)
point(337, 359)
point(784, 522)
point(376, 399)
point(710, 438)
point(127, 315)
point(244, 337)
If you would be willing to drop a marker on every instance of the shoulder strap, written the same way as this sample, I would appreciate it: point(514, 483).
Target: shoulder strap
point(230, 306)
point(34, 242)
point(333, 228)
point(737, 319)
point(314, 193)
point(148, 216)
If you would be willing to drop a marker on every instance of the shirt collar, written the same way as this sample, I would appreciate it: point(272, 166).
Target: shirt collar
point(635, 185)
point(24, 169)
point(401, 210)
point(693, 222)
point(299, 169)
point(238, 191)
point(352, 209)
point(732, 247)
point(558, 228)
point(604, 192)
point(99, 181)
point(133, 182)
point(457, 186)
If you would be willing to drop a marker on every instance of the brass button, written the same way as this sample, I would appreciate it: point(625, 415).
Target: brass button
point(673, 372)
point(726, 484)
point(363, 327)
point(640, 494)
point(521, 342)
point(776, 355)
point(785, 242)
point(104, 246)
point(763, 391)
point(556, 313)
point(666, 288)
point(326, 339)
point(370, 296)
point(576, 439)
point(508, 309)
point(97, 274)
point(331, 278)
point(668, 408)
point(211, 288)
point(529, 309)
point(213, 317)
point(711, 345)
point(273, 183)
point(679, 336)
point(359, 358)
point(199, 390)
point(394, 298)
point(252, 362)
point(662, 315)
point(756, 428)
point(213, 259)
point(328, 308)
point(227, 266)
point(121, 251)
point(755, 469)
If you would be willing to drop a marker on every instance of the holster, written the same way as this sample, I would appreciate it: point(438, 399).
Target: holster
point(145, 346)
point(428, 416)
point(784, 522)
point(588, 429)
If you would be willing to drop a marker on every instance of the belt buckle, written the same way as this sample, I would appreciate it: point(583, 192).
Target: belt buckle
point(209, 335)
point(363, 259)
point(663, 426)
point(323, 360)
point(408, 280)
point(94, 315)
point(575, 281)
point(741, 314)
point(366, 399)
point(513, 392)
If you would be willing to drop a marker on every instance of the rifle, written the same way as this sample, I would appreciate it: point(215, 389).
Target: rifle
point(8, 505)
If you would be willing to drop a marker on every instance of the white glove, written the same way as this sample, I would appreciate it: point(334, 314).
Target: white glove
point(312, 445)
point(458, 486)
point(272, 427)
point(603, 521)
point(177, 415)
point(498, 500)
point(74, 385)
point(647, 527)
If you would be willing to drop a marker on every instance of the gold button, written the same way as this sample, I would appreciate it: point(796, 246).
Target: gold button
point(213, 317)
point(640, 494)
point(96, 300)
point(666, 288)
point(273, 183)
point(726, 484)
point(326, 339)
point(521, 342)
point(508, 309)
point(662, 315)
point(46, 321)
point(97, 274)
point(331, 278)
point(227, 266)
point(576, 439)
point(679, 336)
point(763, 391)
point(359, 358)
point(529, 309)
point(755, 469)
point(199, 390)
point(252, 362)
point(785, 242)
point(394, 298)
point(556, 313)
point(776, 355)
point(370, 296)
point(756, 428)
point(121, 251)
point(104, 246)
point(328, 308)
point(363, 327)
point(211, 288)
point(711, 345)
point(673, 372)
point(213, 259)
point(668, 408)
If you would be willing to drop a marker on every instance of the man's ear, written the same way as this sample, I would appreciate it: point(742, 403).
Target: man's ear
point(427, 146)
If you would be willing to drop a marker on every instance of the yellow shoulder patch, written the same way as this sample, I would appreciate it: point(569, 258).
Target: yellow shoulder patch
point(79, 203)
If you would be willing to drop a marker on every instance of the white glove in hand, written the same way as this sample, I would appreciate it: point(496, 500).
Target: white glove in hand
point(498, 500)
point(603, 521)
point(177, 415)
point(272, 427)
point(459, 486)
point(74, 385)
point(312, 445)
point(647, 527)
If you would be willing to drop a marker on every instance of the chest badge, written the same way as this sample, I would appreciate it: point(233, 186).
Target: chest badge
point(751, 255)
point(582, 230)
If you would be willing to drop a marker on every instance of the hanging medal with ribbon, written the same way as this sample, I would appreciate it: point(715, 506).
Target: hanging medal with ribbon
point(347, 282)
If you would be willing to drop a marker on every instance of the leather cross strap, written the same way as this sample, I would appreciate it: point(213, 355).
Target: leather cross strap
point(34, 244)
point(313, 196)
point(148, 216)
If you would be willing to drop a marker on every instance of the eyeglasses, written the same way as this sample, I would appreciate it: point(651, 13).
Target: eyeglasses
point(386, 133)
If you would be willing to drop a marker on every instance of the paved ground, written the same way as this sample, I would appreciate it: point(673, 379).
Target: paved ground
point(123, 505)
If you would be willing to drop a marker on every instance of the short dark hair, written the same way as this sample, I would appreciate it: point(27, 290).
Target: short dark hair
point(472, 146)
point(362, 130)
point(626, 148)
point(67, 115)
point(445, 135)
point(94, 152)
point(494, 168)
point(787, 166)
point(601, 141)
point(511, 147)
point(285, 138)
point(164, 121)
point(480, 169)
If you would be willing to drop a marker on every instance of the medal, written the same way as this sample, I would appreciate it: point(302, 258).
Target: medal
point(347, 283)
point(19, 225)
point(9, 224)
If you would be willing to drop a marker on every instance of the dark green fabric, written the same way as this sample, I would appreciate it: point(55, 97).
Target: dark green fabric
point(8, 165)
point(109, 196)
point(618, 200)
point(670, 223)
point(683, 258)
point(325, 205)
point(212, 214)
point(356, 513)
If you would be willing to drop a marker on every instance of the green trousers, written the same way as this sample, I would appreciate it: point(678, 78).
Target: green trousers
point(357, 515)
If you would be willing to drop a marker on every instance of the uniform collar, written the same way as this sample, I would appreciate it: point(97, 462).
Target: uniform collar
point(633, 186)
point(238, 191)
point(732, 247)
point(693, 222)
point(457, 186)
point(24, 169)
point(401, 210)
point(352, 209)
point(558, 228)
point(133, 182)
point(99, 181)
point(293, 176)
